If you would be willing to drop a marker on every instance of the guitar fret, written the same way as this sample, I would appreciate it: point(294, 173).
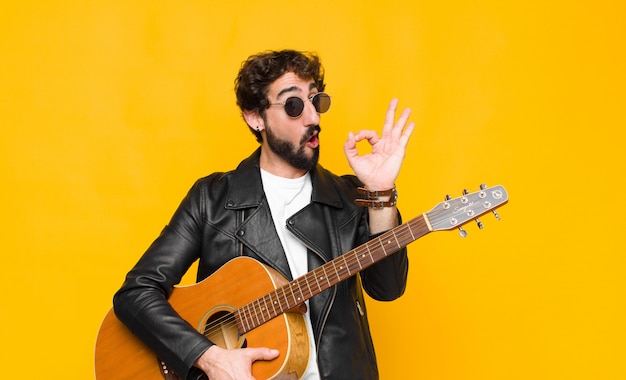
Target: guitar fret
point(346, 264)
point(266, 316)
point(265, 310)
point(306, 279)
point(299, 299)
point(383, 246)
point(410, 231)
point(301, 284)
point(237, 315)
point(262, 310)
point(256, 313)
point(358, 261)
point(293, 296)
point(245, 317)
point(250, 316)
point(284, 298)
point(396, 237)
point(354, 256)
point(326, 276)
point(277, 302)
point(370, 253)
point(272, 303)
point(336, 273)
point(319, 288)
point(289, 296)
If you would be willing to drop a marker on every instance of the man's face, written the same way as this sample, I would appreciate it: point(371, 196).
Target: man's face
point(293, 139)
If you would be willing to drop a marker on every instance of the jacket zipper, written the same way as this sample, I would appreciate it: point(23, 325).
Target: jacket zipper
point(243, 219)
point(358, 306)
point(332, 298)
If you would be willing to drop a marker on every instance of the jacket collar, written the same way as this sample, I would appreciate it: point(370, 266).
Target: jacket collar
point(247, 188)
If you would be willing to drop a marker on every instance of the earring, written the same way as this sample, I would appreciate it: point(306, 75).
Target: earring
point(257, 129)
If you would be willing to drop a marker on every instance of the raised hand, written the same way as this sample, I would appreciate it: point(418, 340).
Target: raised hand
point(379, 169)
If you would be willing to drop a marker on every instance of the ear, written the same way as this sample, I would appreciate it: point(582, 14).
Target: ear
point(254, 120)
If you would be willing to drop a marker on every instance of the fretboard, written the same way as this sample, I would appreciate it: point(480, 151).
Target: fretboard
point(322, 278)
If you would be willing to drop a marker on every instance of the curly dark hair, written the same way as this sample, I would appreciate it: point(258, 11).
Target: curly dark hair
point(261, 70)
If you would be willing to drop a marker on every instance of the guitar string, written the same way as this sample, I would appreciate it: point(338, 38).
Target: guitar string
point(351, 259)
point(354, 256)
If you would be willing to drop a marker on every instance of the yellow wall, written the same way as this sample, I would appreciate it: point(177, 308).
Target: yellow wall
point(109, 110)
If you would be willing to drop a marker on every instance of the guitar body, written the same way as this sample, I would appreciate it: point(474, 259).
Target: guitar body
point(120, 355)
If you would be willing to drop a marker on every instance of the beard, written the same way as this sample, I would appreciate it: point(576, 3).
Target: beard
point(293, 155)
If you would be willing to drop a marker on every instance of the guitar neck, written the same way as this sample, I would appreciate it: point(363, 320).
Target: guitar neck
point(296, 292)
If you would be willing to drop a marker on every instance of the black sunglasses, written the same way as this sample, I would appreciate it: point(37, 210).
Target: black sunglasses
point(295, 105)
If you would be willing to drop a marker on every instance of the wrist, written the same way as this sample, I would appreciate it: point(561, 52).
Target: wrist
point(205, 360)
point(377, 199)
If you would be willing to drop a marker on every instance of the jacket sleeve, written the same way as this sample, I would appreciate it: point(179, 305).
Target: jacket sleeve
point(141, 303)
point(386, 280)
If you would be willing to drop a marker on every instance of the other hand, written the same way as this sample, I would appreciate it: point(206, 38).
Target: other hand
point(379, 169)
point(224, 364)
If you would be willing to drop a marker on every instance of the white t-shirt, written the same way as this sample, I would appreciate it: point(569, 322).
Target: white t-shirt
point(286, 197)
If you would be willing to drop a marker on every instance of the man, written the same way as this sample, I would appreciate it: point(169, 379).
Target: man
point(250, 212)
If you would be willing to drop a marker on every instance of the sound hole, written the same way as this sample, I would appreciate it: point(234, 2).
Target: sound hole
point(221, 329)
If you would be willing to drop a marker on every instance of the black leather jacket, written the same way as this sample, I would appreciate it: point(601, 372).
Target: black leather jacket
point(226, 215)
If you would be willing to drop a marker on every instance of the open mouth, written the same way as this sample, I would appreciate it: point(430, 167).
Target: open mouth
point(313, 141)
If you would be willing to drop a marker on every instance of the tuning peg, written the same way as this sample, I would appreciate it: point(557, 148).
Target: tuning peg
point(462, 232)
point(478, 222)
point(495, 213)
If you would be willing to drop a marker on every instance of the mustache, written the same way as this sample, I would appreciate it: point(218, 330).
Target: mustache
point(310, 132)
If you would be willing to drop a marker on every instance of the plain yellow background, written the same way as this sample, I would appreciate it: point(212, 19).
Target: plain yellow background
point(109, 110)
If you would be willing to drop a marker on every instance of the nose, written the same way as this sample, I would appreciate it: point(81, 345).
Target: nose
point(310, 115)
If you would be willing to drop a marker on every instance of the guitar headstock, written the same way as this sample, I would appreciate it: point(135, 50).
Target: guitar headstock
point(454, 212)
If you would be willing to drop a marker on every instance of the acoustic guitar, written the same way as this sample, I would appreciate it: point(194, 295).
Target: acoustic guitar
point(233, 314)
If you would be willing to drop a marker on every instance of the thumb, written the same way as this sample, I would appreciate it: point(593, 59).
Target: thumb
point(350, 144)
point(265, 354)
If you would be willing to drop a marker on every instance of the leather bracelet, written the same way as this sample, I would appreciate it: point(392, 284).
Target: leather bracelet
point(371, 198)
